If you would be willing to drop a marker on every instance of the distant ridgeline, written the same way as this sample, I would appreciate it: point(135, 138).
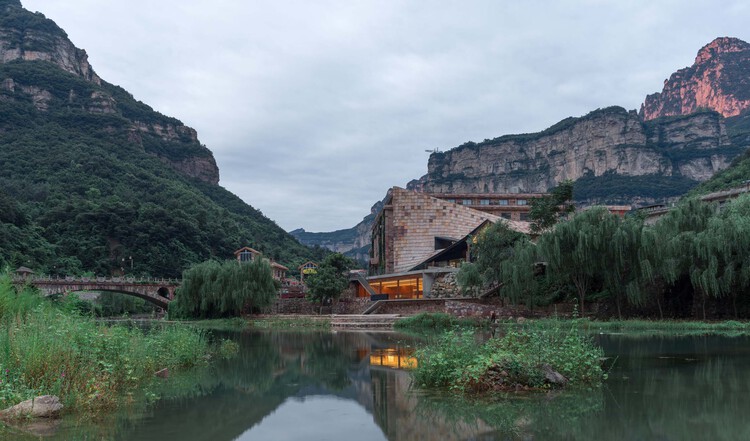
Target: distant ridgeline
point(91, 177)
point(682, 136)
point(697, 126)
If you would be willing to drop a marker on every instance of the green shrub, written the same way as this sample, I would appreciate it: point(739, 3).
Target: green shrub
point(437, 321)
point(456, 361)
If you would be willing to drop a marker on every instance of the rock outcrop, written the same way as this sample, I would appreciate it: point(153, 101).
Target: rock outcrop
point(32, 37)
point(607, 141)
point(45, 406)
point(718, 80)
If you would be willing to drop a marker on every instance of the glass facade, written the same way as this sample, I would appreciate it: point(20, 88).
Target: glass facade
point(399, 287)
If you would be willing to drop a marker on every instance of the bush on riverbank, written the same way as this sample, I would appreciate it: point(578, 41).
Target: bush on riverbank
point(438, 321)
point(89, 365)
point(519, 359)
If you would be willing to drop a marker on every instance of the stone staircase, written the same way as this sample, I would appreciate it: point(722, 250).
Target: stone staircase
point(361, 321)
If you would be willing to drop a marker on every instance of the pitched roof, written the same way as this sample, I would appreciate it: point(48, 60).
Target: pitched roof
point(254, 251)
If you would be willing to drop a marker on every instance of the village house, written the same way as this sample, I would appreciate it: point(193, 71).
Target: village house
point(247, 254)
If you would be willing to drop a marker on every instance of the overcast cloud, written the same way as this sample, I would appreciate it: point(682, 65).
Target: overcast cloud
point(313, 109)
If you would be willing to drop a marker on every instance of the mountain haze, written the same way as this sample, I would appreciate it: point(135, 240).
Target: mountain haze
point(91, 177)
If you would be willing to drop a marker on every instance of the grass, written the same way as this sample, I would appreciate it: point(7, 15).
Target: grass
point(291, 322)
point(46, 349)
point(458, 361)
point(430, 322)
point(640, 326)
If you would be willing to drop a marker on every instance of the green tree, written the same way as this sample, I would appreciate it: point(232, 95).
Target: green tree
point(547, 210)
point(331, 278)
point(212, 289)
point(578, 248)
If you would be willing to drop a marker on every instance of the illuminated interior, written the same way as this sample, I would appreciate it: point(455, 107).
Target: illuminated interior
point(398, 287)
point(399, 358)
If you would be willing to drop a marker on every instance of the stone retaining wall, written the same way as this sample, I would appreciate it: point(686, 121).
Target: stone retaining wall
point(445, 285)
point(410, 307)
point(351, 306)
point(304, 306)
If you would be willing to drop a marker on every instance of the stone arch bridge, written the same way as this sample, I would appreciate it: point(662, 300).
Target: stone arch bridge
point(160, 292)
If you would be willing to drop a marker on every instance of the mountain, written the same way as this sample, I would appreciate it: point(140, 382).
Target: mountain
point(91, 177)
point(719, 80)
point(697, 126)
point(353, 242)
point(612, 154)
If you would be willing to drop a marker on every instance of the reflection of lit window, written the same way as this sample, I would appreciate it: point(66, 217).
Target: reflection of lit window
point(393, 358)
point(521, 202)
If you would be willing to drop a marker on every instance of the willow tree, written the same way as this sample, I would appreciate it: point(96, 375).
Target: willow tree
point(625, 270)
point(720, 254)
point(578, 248)
point(518, 274)
point(674, 245)
point(212, 289)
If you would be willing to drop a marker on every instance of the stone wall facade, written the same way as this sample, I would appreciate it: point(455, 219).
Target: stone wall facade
point(445, 286)
point(404, 233)
point(305, 307)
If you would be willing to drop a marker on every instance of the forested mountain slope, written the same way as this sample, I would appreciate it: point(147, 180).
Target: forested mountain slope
point(90, 177)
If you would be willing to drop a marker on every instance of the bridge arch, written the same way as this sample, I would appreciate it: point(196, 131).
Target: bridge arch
point(162, 302)
point(164, 292)
point(157, 291)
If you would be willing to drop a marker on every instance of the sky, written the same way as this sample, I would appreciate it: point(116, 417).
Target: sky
point(314, 109)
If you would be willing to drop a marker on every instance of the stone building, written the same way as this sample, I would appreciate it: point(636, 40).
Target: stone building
point(513, 206)
point(413, 226)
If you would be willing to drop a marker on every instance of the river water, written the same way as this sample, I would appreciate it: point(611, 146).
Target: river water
point(356, 386)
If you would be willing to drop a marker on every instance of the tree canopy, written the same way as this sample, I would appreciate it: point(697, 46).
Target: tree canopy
point(331, 278)
point(212, 289)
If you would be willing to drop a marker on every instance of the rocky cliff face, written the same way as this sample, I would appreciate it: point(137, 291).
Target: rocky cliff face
point(718, 80)
point(31, 37)
point(604, 142)
point(30, 45)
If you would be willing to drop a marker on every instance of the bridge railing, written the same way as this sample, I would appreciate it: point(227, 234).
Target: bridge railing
point(94, 280)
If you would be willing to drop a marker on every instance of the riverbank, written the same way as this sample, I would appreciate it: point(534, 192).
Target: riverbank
point(276, 322)
point(46, 348)
point(437, 322)
point(635, 326)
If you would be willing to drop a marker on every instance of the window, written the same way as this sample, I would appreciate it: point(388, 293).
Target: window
point(466, 202)
point(484, 202)
point(524, 216)
point(505, 215)
point(502, 202)
point(452, 201)
point(521, 202)
point(246, 256)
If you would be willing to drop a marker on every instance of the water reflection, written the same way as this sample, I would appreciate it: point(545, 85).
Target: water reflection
point(353, 385)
